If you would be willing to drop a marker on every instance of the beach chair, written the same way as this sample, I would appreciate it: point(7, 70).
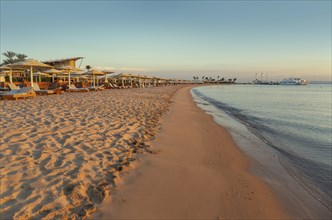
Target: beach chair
point(96, 88)
point(1, 94)
point(115, 86)
point(109, 86)
point(12, 86)
point(39, 91)
point(72, 88)
point(25, 92)
point(57, 89)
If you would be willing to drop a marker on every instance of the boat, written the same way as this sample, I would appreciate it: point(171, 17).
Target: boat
point(294, 81)
point(260, 82)
point(263, 82)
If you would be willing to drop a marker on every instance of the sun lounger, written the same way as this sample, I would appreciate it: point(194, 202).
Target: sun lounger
point(42, 92)
point(3, 89)
point(57, 89)
point(25, 92)
point(111, 86)
point(1, 94)
point(116, 86)
point(96, 88)
point(72, 88)
point(12, 86)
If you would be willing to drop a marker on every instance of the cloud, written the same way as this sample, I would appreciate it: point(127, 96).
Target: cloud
point(100, 68)
point(132, 69)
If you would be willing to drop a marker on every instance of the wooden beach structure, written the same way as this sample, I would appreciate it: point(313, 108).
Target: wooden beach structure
point(65, 62)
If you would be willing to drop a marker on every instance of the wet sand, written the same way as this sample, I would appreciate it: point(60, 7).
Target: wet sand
point(198, 173)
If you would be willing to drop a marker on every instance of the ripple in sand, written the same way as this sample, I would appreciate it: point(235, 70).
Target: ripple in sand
point(61, 155)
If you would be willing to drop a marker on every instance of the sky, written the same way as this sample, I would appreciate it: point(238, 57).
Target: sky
point(181, 39)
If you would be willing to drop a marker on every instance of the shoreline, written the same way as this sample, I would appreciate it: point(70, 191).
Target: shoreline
point(268, 166)
point(199, 172)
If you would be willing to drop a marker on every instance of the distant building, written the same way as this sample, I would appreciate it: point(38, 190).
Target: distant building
point(64, 62)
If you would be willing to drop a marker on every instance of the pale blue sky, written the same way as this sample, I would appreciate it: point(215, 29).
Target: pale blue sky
point(177, 38)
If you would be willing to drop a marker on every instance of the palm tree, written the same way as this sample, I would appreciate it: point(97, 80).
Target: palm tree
point(88, 67)
point(234, 80)
point(20, 57)
point(10, 55)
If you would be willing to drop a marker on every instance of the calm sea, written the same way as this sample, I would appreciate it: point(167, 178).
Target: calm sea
point(294, 121)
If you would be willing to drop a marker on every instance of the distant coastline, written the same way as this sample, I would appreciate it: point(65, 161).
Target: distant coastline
point(320, 82)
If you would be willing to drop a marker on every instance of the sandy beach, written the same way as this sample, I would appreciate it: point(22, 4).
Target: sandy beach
point(61, 155)
point(74, 155)
point(198, 173)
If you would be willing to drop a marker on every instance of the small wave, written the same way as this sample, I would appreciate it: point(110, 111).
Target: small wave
point(313, 176)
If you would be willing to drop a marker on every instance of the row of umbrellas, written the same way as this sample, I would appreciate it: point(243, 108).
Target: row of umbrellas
point(68, 70)
point(31, 64)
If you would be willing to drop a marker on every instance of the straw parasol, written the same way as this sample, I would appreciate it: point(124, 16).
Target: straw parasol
point(30, 63)
point(53, 72)
point(6, 67)
point(107, 72)
point(69, 69)
point(39, 74)
point(94, 73)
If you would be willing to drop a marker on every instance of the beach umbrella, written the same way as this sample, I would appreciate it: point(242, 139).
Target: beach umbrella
point(93, 73)
point(30, 63)
point(69, 69)
point(39, 75)
point(6, 69)
point(53, 72)
point(82, 77)
point(107, 72)
point(155, 81)
point(123, 76)
point(78, 75)
point(10, 72)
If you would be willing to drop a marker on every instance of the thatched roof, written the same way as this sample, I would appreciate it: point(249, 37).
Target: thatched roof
point(52, 71)
point(69, 68)
point(94, 72)
point(29, 63)
point(62, 60)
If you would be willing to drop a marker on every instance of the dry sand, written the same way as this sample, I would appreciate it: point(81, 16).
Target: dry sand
point(199, 173)
point(61, 155)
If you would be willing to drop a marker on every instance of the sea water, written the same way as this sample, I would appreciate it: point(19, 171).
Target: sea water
point(293, 121)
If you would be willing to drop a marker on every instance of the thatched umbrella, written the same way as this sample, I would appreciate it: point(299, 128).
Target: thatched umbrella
point(53, 72)
point(39, 75)
point(10, 72)
point(107, 72)
point(30, 63)
point(69, 69)
point(125, 76)
point(94, 73)
point(6, 69)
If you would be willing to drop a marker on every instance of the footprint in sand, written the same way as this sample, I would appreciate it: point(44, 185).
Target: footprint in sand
point(96, 194)
point(26, 191)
